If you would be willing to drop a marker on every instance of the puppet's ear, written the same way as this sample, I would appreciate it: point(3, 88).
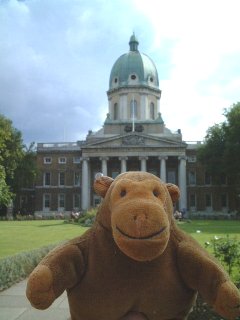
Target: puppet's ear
point(173, 191)
point(102, 184)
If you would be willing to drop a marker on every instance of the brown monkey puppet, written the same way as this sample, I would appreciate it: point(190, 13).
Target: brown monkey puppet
point(134, 263)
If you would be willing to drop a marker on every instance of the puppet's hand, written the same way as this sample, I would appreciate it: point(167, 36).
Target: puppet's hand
point(40, 288)
point(227, 303)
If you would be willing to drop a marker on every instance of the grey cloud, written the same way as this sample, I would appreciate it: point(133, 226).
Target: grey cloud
point(56, 58)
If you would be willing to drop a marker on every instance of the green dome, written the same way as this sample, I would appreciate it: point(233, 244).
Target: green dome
point(133, 69)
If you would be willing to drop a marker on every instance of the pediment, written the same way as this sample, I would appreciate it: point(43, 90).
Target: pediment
point(134, 140)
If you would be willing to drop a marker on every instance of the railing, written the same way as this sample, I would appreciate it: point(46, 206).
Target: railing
point(60, 145)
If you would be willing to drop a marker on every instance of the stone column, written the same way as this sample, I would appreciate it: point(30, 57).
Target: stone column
point(104, 165)
point(123, 107)
point(182, 182)
point(158, 105)
point(143, 107)
point(123, 164)
point(85, 184)
point(143, 163)
point(163, 171)
point(110, 109)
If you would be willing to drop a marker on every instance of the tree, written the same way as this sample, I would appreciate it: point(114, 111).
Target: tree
point(10, 155)
point(5, 193)
point(212, 151)
point(232, 140)
point(11, 147)
point(220, 152)
point(227, 250)
point(221, 149)
point(26, 171)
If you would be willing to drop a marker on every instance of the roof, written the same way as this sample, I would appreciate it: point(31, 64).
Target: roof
point(133, 68)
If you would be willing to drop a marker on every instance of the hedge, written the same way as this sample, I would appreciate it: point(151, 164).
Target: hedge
point(17, 267)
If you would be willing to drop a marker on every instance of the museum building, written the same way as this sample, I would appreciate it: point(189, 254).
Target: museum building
point(133, 137)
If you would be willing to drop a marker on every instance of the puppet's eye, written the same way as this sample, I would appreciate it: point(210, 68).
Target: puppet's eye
point(156, 193)
point(123, 193)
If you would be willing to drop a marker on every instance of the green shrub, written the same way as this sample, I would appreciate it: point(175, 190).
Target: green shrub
point(88, 218)
point(19, 266)
point(227, 251)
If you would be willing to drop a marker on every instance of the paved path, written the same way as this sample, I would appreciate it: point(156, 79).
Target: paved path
point(15, 306)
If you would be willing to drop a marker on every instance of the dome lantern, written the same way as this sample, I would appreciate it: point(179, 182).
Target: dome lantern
point(133, 43)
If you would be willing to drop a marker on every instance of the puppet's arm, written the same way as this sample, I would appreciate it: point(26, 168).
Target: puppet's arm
point(204, 274)
point(61, 269)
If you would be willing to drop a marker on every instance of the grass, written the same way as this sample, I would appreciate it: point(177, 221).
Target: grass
point(205, 230)
point(22, 236)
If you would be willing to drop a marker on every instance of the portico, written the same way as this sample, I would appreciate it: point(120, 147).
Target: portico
point(116, 164)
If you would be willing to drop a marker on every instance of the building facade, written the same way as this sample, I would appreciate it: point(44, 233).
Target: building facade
point(133, 137)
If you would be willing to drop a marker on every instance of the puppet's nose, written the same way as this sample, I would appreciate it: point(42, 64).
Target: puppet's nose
point(140, 221)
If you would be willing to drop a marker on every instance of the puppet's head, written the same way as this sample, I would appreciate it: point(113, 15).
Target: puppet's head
point(137, 208)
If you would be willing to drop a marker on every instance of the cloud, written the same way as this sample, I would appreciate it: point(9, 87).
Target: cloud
point(203, 69)
point(56, 58)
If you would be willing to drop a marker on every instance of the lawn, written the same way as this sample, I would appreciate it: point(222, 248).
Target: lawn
point(205, 230)
point(19, 236)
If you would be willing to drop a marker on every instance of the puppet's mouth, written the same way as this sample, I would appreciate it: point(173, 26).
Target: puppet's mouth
point(151, 236)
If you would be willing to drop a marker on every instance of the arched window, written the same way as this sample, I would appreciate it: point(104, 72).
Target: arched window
point(115, 111)
point(133, 109)
point(151, 113)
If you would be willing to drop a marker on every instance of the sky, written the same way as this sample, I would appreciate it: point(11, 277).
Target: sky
point(56, 57)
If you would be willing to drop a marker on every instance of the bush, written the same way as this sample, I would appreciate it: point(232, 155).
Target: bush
point(88, 218)
point(227, 251)
point(16, 268)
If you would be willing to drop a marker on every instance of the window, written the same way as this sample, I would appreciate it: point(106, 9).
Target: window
point(154, 172)
point(76, 159)
point(192, 177)
point(61, 177)
point(61, 201)
point(223, 178)
point(115, 111)
point(76, 201)
point(46, 201)
point(133, 111)
point(76, 178)
point(96, 200)
point(151, 111)
point(47, 179)
point(208, 178)
point(23, 201)
point(132, 79)
point(47, 160)
point(192, 159)
point(192, 200)
point(208, 200)
point(224, 200)
point(171, 176)
point(115, 174)
point(62, 160)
